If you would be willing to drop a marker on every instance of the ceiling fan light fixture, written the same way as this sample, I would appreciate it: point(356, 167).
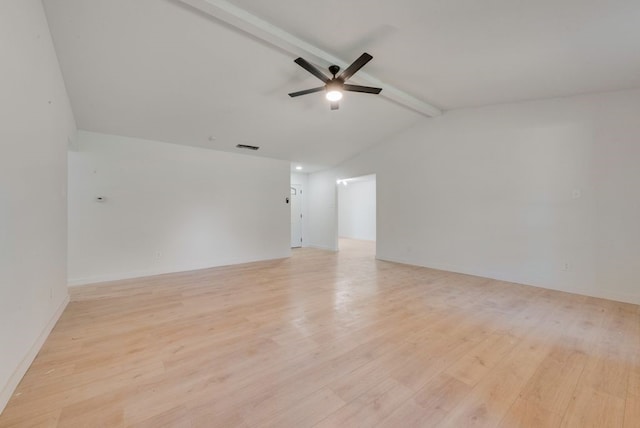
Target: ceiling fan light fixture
point(334, 95)
point(335, 86)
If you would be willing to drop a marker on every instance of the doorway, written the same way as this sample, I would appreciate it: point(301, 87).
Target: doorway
point(357, 211)
point(296, 216)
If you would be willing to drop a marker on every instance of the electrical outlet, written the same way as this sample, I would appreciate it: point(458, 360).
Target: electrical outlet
point(566, 267)
point(158, 255)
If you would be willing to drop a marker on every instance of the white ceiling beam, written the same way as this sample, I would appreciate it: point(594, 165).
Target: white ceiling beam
point(263, 30)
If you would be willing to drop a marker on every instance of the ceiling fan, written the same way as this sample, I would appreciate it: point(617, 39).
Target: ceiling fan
point(336, 85)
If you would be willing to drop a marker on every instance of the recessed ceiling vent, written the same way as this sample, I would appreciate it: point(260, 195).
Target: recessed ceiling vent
point(246, 146)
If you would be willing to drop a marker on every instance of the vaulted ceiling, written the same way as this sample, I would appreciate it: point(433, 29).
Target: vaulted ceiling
point(162, 70)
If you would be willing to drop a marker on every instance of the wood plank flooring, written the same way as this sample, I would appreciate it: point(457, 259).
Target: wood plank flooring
point(333, 340)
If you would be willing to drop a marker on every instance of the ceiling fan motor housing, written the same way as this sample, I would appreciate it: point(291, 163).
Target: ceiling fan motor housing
point(335, 84)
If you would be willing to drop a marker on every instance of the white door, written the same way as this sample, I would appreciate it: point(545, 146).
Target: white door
point(296, 216)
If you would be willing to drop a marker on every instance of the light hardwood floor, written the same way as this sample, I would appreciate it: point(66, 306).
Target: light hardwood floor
point(333, 340)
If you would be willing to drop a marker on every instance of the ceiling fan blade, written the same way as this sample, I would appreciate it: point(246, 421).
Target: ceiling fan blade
point(334, 105)
point(311, 69)
point(355, 66)
point(306, 91)
point(358, 88)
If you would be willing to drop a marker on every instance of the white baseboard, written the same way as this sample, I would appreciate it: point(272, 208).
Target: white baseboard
point(19, 372)
point(533, 282)
point(76, 282)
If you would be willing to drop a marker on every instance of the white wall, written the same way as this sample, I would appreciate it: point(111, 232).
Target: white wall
point(36, 122)
point(493, 191)
point(357, 209)
point(323, 210)
point(170, 208)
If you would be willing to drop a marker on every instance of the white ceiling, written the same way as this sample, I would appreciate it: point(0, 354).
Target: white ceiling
point(158, 69)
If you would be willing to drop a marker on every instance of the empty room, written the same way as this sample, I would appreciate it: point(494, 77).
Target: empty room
point(235, 213)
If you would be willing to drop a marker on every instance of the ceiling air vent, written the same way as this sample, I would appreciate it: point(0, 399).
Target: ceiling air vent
point(246, 146)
